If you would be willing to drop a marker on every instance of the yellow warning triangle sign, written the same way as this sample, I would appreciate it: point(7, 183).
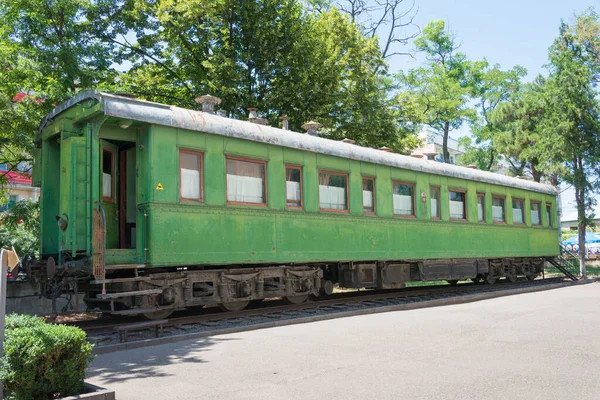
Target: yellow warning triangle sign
point(159, 187)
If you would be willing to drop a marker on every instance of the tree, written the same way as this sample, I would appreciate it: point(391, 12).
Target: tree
point(438, 94)
point(269, 54)
point(392, 21)
point(48, 52)
point(492, 87)
point(572, 123)
point(518, 128)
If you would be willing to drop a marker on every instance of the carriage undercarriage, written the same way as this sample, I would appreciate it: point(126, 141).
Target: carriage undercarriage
point(157, 292)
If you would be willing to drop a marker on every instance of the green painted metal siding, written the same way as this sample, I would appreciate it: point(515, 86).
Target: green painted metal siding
point(73, 193)
point(214, 232)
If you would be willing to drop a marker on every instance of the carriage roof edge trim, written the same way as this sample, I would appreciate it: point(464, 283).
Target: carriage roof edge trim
point(161, 114)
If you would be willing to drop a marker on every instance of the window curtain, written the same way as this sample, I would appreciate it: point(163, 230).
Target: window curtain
point(106, 185)
point(535, 217)
point(190, 184)
point(457, 209)
point(517, 216)
point(368, 199)
point(402, 204)
point(434, 208)
point(332, 197)
point(245, 189)
point(498, 213)
point(293, 191)
point(479, 212)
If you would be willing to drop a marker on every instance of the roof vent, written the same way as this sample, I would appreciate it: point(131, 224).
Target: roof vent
point(253, 117)
point(208, 103)
point(416, 154)
point(386, 149)
point(350, 141)
point(312, 128)
point(472, 166)
point(285, 121)
point(252, 114)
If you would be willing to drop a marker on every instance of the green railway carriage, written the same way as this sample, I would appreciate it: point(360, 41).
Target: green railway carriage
point(153, 208)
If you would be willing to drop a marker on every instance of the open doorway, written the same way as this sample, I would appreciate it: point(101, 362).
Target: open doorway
point(118, 186)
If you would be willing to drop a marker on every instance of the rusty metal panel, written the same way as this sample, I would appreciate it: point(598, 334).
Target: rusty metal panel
point(98, 245)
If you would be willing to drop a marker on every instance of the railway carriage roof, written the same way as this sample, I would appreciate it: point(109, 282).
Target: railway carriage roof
point(161, 114)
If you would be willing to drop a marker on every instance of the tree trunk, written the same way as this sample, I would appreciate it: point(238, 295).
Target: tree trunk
point(445, 142)
point(534, 172)
point(581, 226)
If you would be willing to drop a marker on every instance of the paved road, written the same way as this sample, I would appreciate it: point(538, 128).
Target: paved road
point(543, 345)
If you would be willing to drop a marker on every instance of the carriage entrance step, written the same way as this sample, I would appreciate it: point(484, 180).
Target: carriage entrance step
point(124, 266)
point(129, 294)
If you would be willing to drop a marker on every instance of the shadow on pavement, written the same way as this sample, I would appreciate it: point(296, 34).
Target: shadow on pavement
point(147, 362)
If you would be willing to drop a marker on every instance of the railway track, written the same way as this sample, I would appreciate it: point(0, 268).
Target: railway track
point(272, 313)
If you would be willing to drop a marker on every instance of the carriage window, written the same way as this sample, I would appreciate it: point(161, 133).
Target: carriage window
point(457, 205)
point(435, 202)
point(190, 175)
point(246, 182)
point(403, 199)
point(549, 214)
point(498, 209)
point(333, 194)
point(368, 195)
point(108, 173)
point(480, 207)
point(518, 209)
point(293, 186)
point(535, 213)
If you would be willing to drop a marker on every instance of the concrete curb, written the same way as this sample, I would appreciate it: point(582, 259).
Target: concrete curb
point(96, 393)
point(412, 306)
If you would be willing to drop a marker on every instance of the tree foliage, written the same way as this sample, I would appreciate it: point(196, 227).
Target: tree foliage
point(272, 55)
point(438, 94)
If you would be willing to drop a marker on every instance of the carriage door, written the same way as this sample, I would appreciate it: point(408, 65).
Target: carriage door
point(110, 197)
point(119, 194)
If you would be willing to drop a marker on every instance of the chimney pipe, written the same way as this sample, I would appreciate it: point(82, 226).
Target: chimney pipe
point(285, 122)
point(208, 103)
point(312, 128)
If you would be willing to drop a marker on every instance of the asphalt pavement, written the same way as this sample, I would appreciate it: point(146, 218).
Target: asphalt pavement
point(543, 345)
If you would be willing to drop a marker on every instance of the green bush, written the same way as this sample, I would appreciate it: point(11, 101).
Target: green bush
point(42, 361)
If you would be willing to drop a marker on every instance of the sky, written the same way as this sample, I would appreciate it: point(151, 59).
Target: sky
point(506, 32)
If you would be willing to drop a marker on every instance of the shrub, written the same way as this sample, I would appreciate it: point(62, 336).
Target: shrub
point(43, 361)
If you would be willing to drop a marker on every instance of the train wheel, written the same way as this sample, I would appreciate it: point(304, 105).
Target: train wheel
point(234, 305)
point(490, 279)
point(295, 299)
point(453, 282)
point(476, 279)
point(531, 277)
